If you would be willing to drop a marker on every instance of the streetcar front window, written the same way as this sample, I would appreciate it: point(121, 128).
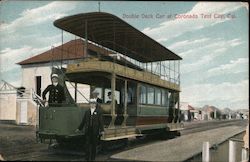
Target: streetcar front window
point(98, 92)
point(131, 100)
point(164, 97)
point(79, 92)
point(107, 98)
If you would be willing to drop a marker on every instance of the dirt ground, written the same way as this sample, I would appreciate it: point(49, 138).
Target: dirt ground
point(15, 139)
point(19, 143)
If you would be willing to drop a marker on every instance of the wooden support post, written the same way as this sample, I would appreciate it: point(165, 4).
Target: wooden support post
point(174, 73)
point(75, 92)
point(160, 69)
point(125, 115)
point(113, 104)
point(62, 50)
point(205, 152)
point(179, 75)
point(173, 106)
point(178, 107)
point(232, 151)
point(169, 71)
point(113, 92)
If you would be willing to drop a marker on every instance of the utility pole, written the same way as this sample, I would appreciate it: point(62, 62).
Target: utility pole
point(99, 6)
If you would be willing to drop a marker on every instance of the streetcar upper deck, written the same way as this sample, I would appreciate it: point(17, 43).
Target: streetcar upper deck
point(128, 47)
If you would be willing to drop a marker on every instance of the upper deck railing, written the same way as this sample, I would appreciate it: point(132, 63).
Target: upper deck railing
point(94, 65)
point(166, 70)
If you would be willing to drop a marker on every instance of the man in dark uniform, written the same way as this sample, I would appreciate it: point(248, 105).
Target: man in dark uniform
point(56, 92)
point(92, 123)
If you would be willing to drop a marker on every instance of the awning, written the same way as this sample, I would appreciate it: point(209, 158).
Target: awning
point(112, 32)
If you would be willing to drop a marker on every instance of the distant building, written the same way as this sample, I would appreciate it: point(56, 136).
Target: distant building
point(186, 108)
point(36, 72)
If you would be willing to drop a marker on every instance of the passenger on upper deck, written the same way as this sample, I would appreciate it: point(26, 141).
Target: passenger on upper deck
point(56, 92)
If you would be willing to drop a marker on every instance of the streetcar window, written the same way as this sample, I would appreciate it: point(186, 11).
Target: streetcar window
point(172, 99)
point(83, 93)
point(150, 95)
point(78, 91)
point(157, 96)
point(107, 99)
point(143, 92)
point(131, 93)
point(164, 97)
point(99, 91)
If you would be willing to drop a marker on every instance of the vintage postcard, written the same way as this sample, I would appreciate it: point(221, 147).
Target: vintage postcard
point(124, 81)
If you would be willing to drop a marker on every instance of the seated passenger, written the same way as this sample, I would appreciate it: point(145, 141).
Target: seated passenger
point(56, 92)
point(118, 110)
point(110, 98)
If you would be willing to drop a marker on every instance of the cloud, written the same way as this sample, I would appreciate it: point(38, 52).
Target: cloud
point(207, 53)
point(227, 93)
point(30, 17)
point(234, 66)
point(12, 76)
point(9, 57)
point(9, 70)
point(188, 42)
point(178, 26)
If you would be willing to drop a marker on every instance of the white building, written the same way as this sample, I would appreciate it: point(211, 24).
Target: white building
point(36, 72)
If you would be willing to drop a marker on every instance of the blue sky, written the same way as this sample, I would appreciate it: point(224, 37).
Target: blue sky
point(214, 69)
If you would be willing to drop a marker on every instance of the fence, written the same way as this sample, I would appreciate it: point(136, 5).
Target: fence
point(232, 151)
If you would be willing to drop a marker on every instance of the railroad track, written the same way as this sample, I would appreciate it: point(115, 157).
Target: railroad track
point(198, 127)
point(37, 151)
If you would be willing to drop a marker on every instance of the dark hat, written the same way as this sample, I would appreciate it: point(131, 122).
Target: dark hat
point(109, 93)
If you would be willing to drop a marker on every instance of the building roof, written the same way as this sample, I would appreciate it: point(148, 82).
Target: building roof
point(186, 106)
point(112, 32)
point(71, 50)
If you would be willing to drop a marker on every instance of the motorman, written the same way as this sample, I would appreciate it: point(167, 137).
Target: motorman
point(56, 92)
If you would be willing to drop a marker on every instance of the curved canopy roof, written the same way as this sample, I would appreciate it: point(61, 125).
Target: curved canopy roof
point(112, 32)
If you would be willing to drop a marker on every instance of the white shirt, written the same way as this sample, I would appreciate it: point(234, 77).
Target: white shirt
point(92, 111)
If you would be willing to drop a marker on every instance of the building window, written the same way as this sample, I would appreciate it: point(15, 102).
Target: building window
point(143, 92)
point(157, 96)
point(150, 95)
point(38, 85)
